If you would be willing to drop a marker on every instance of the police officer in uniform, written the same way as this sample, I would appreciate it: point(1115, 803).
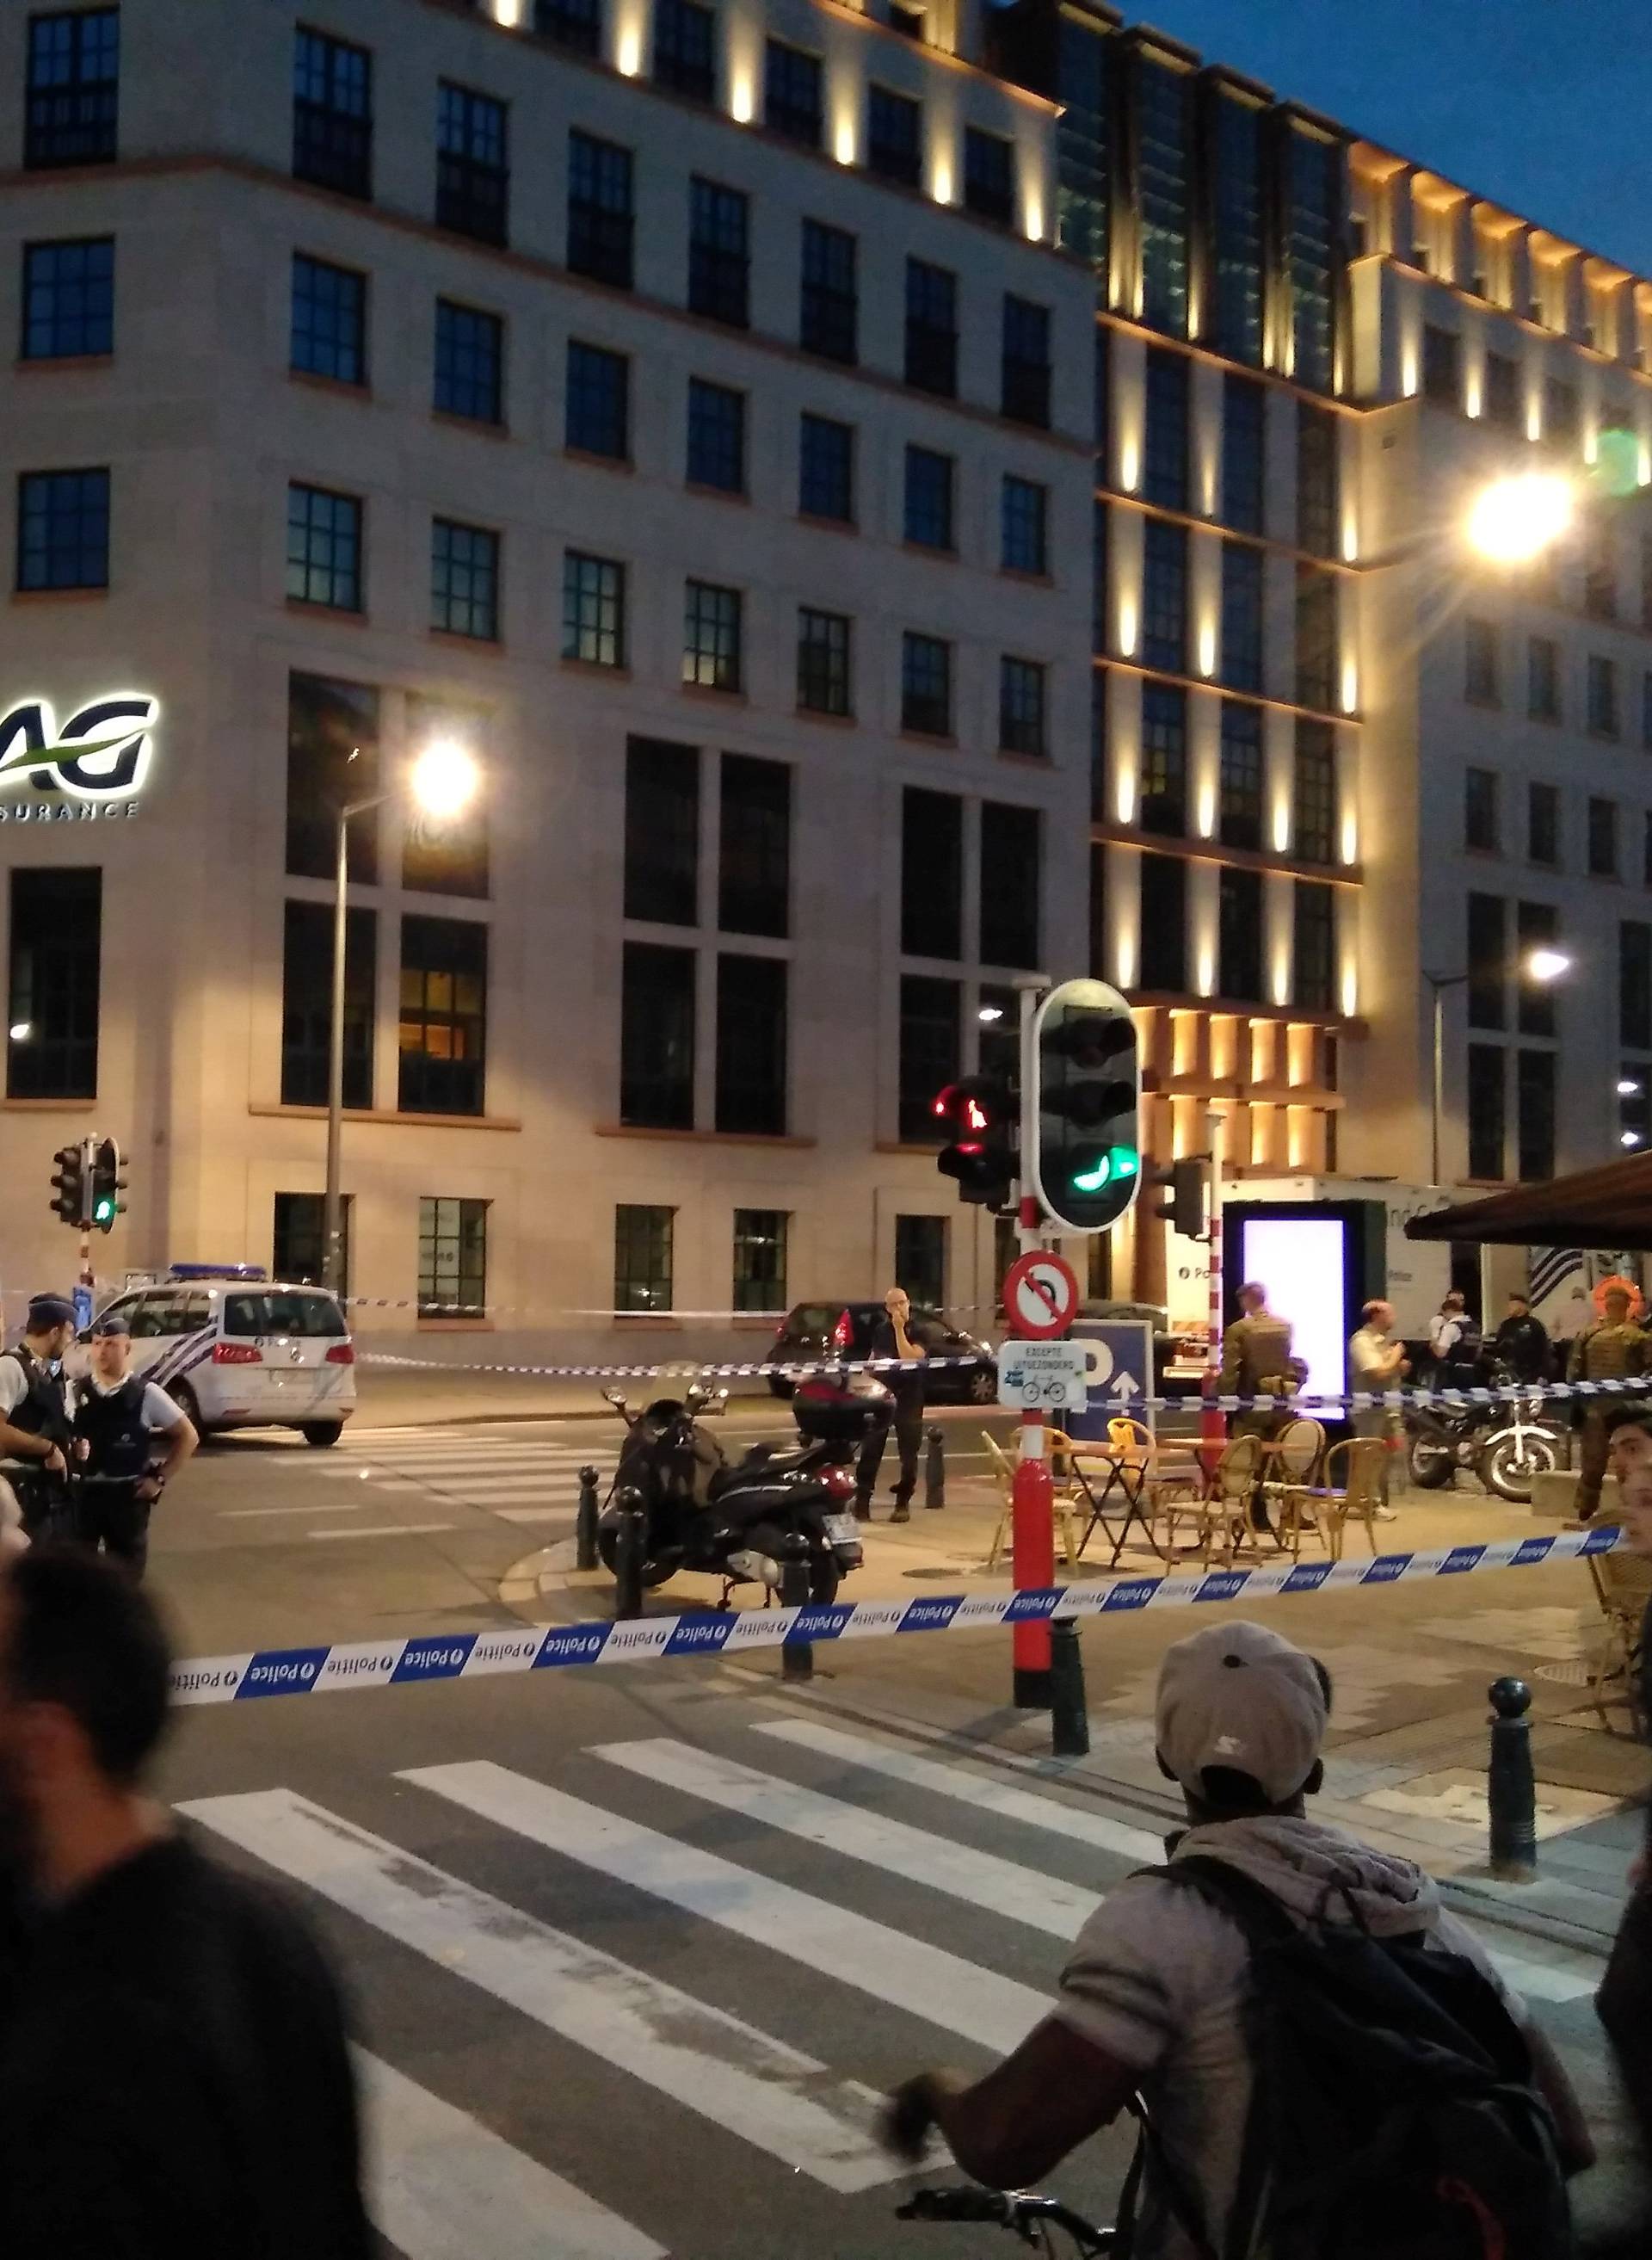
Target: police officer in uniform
point(1613, 1348)
point(34, 1416)
point(117, 1417)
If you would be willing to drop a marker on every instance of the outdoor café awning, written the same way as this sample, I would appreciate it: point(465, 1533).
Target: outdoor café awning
point(1607, 1207)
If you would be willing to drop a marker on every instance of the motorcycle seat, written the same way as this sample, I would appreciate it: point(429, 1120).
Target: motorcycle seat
point(763, 1464)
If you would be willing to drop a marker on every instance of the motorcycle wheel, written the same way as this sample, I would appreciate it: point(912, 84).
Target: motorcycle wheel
point(1511, 1468)
point(824, 1575)
point(1432, 1465)
point(653, 1573)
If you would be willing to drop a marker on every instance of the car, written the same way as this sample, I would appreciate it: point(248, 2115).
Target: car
point(843, 1329)
point(267, 1353)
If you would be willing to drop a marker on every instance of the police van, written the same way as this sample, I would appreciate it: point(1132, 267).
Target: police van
point(237, 1350)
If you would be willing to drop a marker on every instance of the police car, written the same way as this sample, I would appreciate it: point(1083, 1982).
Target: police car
point(237, 1350)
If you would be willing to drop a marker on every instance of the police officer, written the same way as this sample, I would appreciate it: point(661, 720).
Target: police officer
point(116, 1417)
point(34, 1415)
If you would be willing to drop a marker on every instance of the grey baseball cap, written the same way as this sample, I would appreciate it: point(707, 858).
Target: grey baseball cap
point(1238, 1695)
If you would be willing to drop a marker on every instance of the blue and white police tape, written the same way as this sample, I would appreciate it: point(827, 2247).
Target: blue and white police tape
point(729, 1632)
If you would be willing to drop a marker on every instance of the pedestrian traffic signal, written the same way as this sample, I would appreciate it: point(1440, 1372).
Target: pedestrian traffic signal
point(69, 1186)
point(979, 1113)
point(107, 1183)
point(1086, 1166)
point(1185, 1210)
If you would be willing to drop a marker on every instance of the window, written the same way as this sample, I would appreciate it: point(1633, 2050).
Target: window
point(719, 252)
point(1536, 926)
point(445, 855)
point(1488, 962)
point(473, 173)
point(1244, 452)
point(332, 114)
point(989, 176)
point(593, 610)
point(324, 548)
point(298, 1238)
point(1603, 838)
point(1164, 595)
point(1242, 616)
point(63, 530)
point(1079, 56)
point(828, 314)
point(1312, 253)
point(1314, 946)
point(69, 299)
point(998, 1041)
point(1603, 696)
point(929, 482)
point(600, 217)
point(686, 48)
point(306, 1004)
point(1635, 984)
point(1022, 723)
point(1163, 970)
point(1237, 227)
point(74, 88)
point(1646, 709)
point(711, 637)
point(826, 469)
point(1561, 423)
point(894, 136)
point(56, 950)
point(925, 685)
point(1542, 824)
point(332, 756)
point(575, 23)
point(1486, 1110)
point(1535, 1088)
point(444, 1001)
point(1239, 934)
point(823, 662)
point(1479, 809)
point(1010, 922)
point(1317, 480)
point(1543, 679)
point(717, 436)
point(642, 1257)
point(1600, 574)
point(453, 1257)
point(1025, 373)
point(754, 868)
point(931, 873)
point(1502, 392)
point(930, 1052)
point(760, 1260)
point(1313, 797)
point(1023, 524)
point(464, 580)
point(1441, 365)
point(1241, 819)
point(932, 328)
point(1163, 193)
point(750, 1077)
point(1316, 637)
point(920, 1259)
point(662, 831)
point(470, 362)
point(598, 400)
point(1164, 464)
point(791, 93)
point(656, 1037)
point(1163, 803)
point(1099, 613)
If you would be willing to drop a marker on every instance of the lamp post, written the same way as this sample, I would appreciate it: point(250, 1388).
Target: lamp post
point(1542, 964)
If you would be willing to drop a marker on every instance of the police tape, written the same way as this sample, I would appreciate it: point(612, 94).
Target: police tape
point(726, 1632)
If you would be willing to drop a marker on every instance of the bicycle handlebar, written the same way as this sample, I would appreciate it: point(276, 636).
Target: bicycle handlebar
point(1018, 2210)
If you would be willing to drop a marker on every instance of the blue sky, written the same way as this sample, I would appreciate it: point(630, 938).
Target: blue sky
point(1542, 105)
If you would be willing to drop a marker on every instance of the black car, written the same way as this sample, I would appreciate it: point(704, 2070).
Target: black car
point(833, 1330)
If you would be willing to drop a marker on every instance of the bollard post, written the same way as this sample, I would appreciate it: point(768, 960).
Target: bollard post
point(934, 1469)
point(585, 1521)
point(1512, 1791)
point(797, 1657)
point(1069, 1716)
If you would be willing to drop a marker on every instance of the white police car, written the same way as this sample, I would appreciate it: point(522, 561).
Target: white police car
point(237, 1350)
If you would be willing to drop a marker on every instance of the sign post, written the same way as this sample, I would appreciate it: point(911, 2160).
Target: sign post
point(1041, 1297)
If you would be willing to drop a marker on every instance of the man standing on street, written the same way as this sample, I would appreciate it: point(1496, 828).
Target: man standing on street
point(1613, 1348)
point(1255, 1361)
point(116, 1418)
point(34, 1415)
point(897, 1334)
point(1377, 1364)
point(1453, 1342)
point(1522, 1342)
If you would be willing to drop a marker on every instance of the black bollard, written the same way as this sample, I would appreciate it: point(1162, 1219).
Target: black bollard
point(1512, 1791)
point(797, 1657)
point(1069, 1717)
point(934, 1470)
point(585, 1524)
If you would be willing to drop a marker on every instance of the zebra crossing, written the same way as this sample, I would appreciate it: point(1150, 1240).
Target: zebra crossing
point(520, 1475)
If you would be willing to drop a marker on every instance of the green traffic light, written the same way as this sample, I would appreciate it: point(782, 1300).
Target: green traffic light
point(1118, 1162)
point(104, 1212)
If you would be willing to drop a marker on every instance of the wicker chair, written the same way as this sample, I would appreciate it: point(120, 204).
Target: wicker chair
point(1003, 1470)
point(1296, 1456)
point(1219, 1514)
point(1352, 1491)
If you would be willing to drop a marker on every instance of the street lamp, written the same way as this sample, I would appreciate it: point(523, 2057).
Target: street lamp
point(1513, 519)
point(1543, 964)
point(441, 784)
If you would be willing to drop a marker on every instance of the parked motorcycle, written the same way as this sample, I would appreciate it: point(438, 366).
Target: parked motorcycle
point(1507, 1443)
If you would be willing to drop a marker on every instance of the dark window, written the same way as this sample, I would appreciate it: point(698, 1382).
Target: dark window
point(642, 1257)
point(306, 1004)
point(444, 1004)
point(791, 93)
point(717, 436)
point(1023, 723)
point(1479, 809)
point(711, 657)
point(1244, 452)
point(826, 469)
point(1083, 193)
point(598, 400)
point(751, 1047)
point(932, 328)
point(1603, 696)
point(1238, 935)
point(600, 215)
point(1164, 466)
point(1487, 1083)
point(1163, 194)
point(69, 299)
point(1241, 818)
point(1488, 962)
point(1317, 193)
point(1542, 824)
point(930, 1052)
point(1314, 946)
point(593, 609)
point(1317, 481)
point(452, 1256)
point(74, 88)
point(1646, 709)
point(473, 171)
point(575, 23)
point(470, 362)
point(1023, 525)
point(1561, 426)
point(1441, 365)
point(1535, 1079)
point(1010, 885)
point(1242, 616)
point(719, 252)
point(1502, 392)
point(662, 831)
point(1600, 574)
point(332, 114)
point(1316, 637)
point(1237, 231)
point(1603, 838)
point(656, 1037)
point(63, 530)
point(297, 1239)
point(1101, 390)
point(464, 580)
point(1163, 951)
point(760, 1260)
point(925, 685)
point(1099, 613)
point(329, 320)
point(686, 48)
point(1543, 679)
point(1536, 926)
point(1164, 595)
point(754, 869)
point(894, 136)
point(920, 1259)
point(823, 662)
point(324, 548)
point(989, 175)
point(998, 1039)
point(56, 951)
point(931, 873)
point(449, 854)
point(1162, 803)
point(1313, 812)
point(1635, 984)
point(929, 483)
point(827, 317)
point(1025, 373)
point(332, 758)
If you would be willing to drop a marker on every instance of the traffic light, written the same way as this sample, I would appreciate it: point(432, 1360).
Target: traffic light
point(1086, 1168)
point(68, 1184)
point(980, 1114)
point(1185, 1210)
point(108, 1183)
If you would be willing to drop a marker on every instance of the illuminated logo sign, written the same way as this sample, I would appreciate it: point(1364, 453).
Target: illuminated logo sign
point(94, 765)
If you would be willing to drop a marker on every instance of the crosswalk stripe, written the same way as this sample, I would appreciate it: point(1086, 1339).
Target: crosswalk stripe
point(384, 1530)
point(472, 1456)
point(478, 1491)
point(757, 2087)
point(1568, 1980)
point(956, 1995)
point(533, 1514)
point(442, 2187)
point(1000, 1799)
point(316, 1506)
point(1043, 1902)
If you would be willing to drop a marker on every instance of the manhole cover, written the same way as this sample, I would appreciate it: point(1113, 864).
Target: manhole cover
point(1563, 1675)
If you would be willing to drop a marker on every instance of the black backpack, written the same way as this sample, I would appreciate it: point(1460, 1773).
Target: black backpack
point(1392, 2114)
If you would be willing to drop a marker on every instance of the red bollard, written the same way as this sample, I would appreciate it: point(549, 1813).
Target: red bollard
point(1032, 1504)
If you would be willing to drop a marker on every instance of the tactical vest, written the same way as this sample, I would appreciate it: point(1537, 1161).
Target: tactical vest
point(114, 1427)
point(41, 1410)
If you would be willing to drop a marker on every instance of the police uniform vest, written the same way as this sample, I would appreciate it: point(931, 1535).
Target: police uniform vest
point(115, 1431)
point(41, 1411)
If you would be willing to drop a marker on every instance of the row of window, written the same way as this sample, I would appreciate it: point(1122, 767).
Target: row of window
point(1483, 827)
point(1483, 682)
point(1164, 961)
point(1162, 799)
point(1494, 389)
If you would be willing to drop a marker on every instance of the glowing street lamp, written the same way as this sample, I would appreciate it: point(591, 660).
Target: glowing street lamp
point(1545, 965)
point(1514, 519)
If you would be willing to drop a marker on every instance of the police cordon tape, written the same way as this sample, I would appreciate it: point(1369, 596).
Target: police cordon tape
point(725, 1632)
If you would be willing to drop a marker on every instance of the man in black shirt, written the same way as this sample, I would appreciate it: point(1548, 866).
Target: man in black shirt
point(1522, 1342)
point(174, 2075)
point(897, 1335)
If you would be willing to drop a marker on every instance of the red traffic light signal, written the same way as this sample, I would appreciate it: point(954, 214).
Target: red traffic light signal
point(980, 1157)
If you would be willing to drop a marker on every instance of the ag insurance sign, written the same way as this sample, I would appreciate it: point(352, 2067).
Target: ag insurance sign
point(93, 764)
